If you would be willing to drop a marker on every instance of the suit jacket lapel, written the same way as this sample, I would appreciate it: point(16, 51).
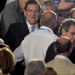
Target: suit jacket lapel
point(24, 28)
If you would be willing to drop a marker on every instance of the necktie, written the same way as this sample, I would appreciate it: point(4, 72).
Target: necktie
point(32, 28)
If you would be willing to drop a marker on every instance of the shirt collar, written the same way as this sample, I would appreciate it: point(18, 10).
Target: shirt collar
point(29, 26)
point(44, 27)
point(62, 57)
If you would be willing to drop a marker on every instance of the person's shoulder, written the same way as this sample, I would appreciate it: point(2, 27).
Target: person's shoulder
point(54, 35)
point(48, 64)
point(10, 6)
point(16, 24)
point(72, 65)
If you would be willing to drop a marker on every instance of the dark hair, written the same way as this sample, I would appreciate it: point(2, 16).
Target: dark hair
point(50, 71)
point(32, 2)
point(66, 25)
point(61, 48)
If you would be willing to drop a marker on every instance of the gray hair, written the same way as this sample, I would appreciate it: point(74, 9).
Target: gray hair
point(45, 3)
point(35, 67)
point(66, 25)
point(48, 21)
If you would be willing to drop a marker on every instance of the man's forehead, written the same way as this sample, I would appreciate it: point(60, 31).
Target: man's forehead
point(72, 27)
point(29, 5)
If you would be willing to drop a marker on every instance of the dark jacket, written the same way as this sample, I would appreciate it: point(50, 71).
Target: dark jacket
point(15, 34)
point(50, 54)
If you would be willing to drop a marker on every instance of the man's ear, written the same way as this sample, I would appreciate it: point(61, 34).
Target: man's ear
point(55, 24)
point(71, 49)
point(63, 32)
point(40, 13)
point(24, 12)
point(55, 49)
point(40, 22)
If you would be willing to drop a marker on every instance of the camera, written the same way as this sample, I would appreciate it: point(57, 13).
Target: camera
point(70, 1)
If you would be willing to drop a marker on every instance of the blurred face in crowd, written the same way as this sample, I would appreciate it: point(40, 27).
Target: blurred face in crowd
point(32, 13)
point(22, 3)
point(40, 1)
point(70, 34)
point(51, 6)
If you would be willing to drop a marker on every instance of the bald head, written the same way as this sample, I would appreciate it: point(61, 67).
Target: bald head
point(48, 18)
point(48, 14)
point(63, 44)
point(63, 40)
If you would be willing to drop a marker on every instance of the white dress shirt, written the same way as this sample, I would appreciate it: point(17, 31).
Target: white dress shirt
point(34, 45)
point(29, 26)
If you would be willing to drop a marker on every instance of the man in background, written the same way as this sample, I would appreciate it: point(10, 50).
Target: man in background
point(17, 31)
point(35, 45)
point(35, 67)
point(61, 63)
point(12, 13)
point(66, 29)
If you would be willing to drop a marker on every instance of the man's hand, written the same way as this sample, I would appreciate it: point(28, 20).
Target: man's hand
point(64, 5)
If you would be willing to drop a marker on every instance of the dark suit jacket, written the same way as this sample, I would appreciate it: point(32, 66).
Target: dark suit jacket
point(50, 54)
point(13, 38)
point(15, 34)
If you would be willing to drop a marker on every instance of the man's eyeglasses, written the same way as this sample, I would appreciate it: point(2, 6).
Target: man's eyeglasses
point(30, 11)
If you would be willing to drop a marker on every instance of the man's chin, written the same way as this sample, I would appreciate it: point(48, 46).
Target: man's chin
point(33, 23)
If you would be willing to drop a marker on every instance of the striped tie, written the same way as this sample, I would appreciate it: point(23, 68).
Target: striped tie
point(32, 28)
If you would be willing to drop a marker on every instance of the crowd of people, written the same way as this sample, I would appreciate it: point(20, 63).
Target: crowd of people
point(37, 37)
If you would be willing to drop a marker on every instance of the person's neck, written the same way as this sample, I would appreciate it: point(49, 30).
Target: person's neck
point(48, 27)
point(32, 24)
point(66, 54)
point(52, 28)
